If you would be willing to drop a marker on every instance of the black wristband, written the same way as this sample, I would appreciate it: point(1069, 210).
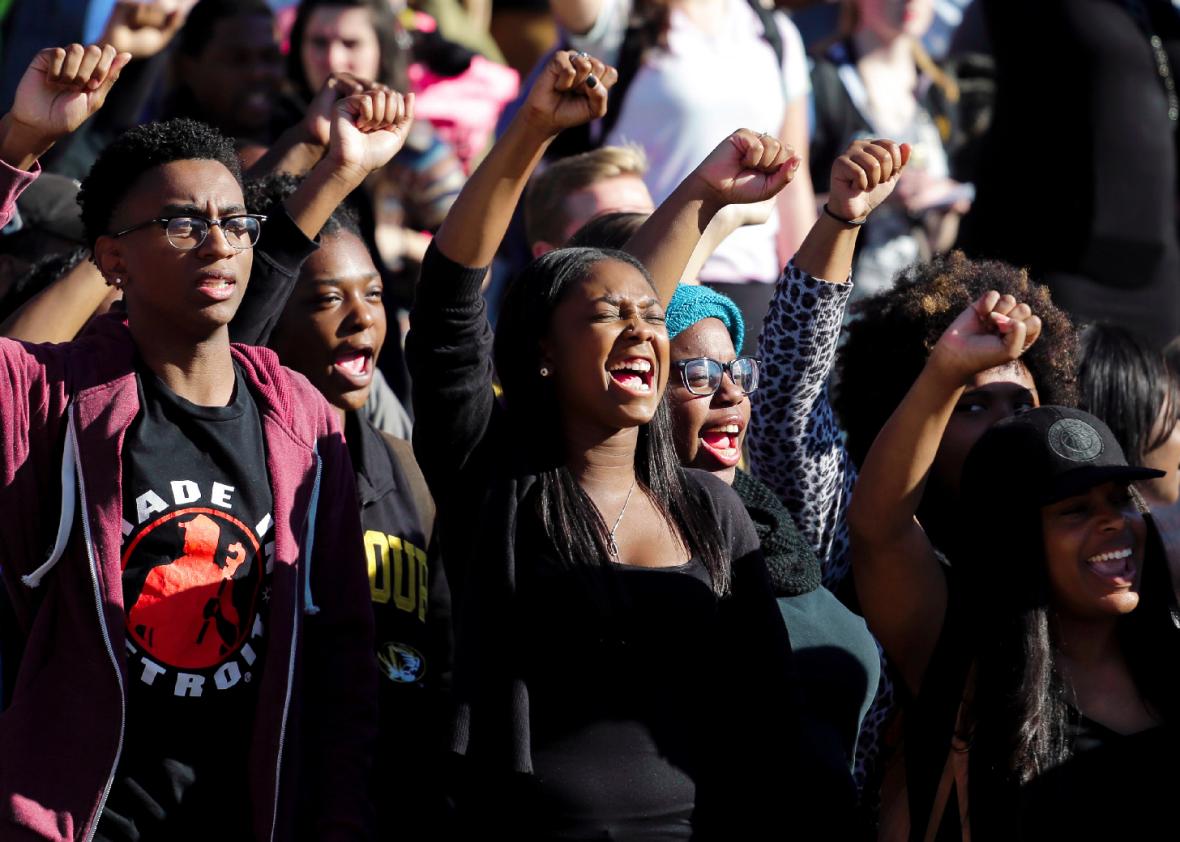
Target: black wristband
point(842, 220)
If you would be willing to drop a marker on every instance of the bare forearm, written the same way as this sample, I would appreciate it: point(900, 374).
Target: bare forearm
point(319, 194)
point(714, 236)
point(476, 223)
point(667, 241)
point(20, 146)
point(287, 154)
point(827, 250)
point(61, 310)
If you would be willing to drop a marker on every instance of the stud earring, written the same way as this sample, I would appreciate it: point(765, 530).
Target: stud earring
point(544, 371)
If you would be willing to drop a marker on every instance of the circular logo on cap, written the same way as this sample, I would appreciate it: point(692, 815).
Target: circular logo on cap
point(1075, 440)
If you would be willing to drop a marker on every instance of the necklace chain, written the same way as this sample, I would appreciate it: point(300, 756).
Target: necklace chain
point(614, 547)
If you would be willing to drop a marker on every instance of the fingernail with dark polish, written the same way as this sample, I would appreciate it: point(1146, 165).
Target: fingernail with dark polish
point(591, 81)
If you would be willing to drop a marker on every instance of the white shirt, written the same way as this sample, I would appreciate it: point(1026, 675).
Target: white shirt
point(687, 99)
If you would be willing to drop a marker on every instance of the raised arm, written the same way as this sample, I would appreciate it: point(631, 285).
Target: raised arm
point(795, 443)
point(303, 144)
point(61, 89)
point(60, 311)
point(562, 97)
point(899, 579)
point(745, 168)
point(366, 130)
point(449, 345)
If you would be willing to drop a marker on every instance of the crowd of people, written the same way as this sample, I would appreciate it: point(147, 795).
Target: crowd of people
point(399, 444)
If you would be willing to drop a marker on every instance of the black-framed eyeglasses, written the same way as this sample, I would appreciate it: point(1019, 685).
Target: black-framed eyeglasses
point(188, 232)
point(702, 375)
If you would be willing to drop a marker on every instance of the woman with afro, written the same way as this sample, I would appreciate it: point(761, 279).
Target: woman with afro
point(807, 444)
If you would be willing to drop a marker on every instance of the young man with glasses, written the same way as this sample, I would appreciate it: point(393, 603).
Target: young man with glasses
point(198, 639)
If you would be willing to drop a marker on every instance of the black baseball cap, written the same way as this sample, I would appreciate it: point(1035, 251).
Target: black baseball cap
point(1058, 451)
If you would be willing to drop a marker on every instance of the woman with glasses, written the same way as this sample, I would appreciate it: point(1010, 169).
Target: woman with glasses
point(836, 658)
point(180, 539)
point(621, 670)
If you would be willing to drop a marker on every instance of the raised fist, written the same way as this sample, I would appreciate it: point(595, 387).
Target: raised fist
point(864, 176)
point(369, 128)
point(747, 167)
point(993, 331)
point(62, 87)
point(572, 90)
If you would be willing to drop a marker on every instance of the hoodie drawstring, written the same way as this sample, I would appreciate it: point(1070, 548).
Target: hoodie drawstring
point(309, 606)
point(69, 502)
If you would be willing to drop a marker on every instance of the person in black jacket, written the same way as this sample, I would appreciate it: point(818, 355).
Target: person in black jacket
point(621, 667)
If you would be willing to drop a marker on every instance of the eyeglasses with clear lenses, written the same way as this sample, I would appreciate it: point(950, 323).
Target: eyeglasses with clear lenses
point(702, 375)
point(186, 233)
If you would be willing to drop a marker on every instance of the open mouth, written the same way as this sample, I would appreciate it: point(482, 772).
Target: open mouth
point(354, 364)
point(1115, 566)
point(723, 442)
point(634, 374)
point(218, 287)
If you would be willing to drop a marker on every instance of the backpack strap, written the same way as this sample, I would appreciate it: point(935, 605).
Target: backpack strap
point(954, 771)
point(770, 32)
point(403, 452)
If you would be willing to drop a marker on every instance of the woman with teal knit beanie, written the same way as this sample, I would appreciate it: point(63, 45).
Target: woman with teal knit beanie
point(837, 660)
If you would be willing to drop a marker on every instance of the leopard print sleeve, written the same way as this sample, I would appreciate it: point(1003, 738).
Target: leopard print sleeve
point(795, 444)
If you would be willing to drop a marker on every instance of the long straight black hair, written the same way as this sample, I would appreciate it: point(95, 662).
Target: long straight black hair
point(1021, 706)
point(569, 516)
point(1129, 385)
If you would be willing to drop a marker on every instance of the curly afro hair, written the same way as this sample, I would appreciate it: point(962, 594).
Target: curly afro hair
point(893, 333)
point(142, 148)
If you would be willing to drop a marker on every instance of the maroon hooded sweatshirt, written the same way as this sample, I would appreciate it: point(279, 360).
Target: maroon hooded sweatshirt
point(64, 412)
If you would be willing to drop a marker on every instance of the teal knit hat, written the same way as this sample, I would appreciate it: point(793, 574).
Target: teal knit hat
point(690, 304)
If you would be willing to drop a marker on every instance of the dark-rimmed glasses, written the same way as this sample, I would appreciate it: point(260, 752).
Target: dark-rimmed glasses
point(186, 233)
point(702, 375)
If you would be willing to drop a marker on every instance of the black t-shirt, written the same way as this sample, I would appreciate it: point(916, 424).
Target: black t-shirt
point(197, 545)
point(411, 611)
point(1113, 785)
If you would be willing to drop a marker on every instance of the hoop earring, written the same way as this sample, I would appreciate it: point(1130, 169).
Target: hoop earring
point(544, 371)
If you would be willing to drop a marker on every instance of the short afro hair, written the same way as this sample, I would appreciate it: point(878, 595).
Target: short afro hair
point(121, 164)
point(892, 334)
point(265, 194)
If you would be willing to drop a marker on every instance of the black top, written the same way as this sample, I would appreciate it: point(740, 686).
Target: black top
point(279, 255)
point(1083, 69)
point(617, 747)
point(1113, 786)
point(197, 541)
point(411, 612)
point(479, 474)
